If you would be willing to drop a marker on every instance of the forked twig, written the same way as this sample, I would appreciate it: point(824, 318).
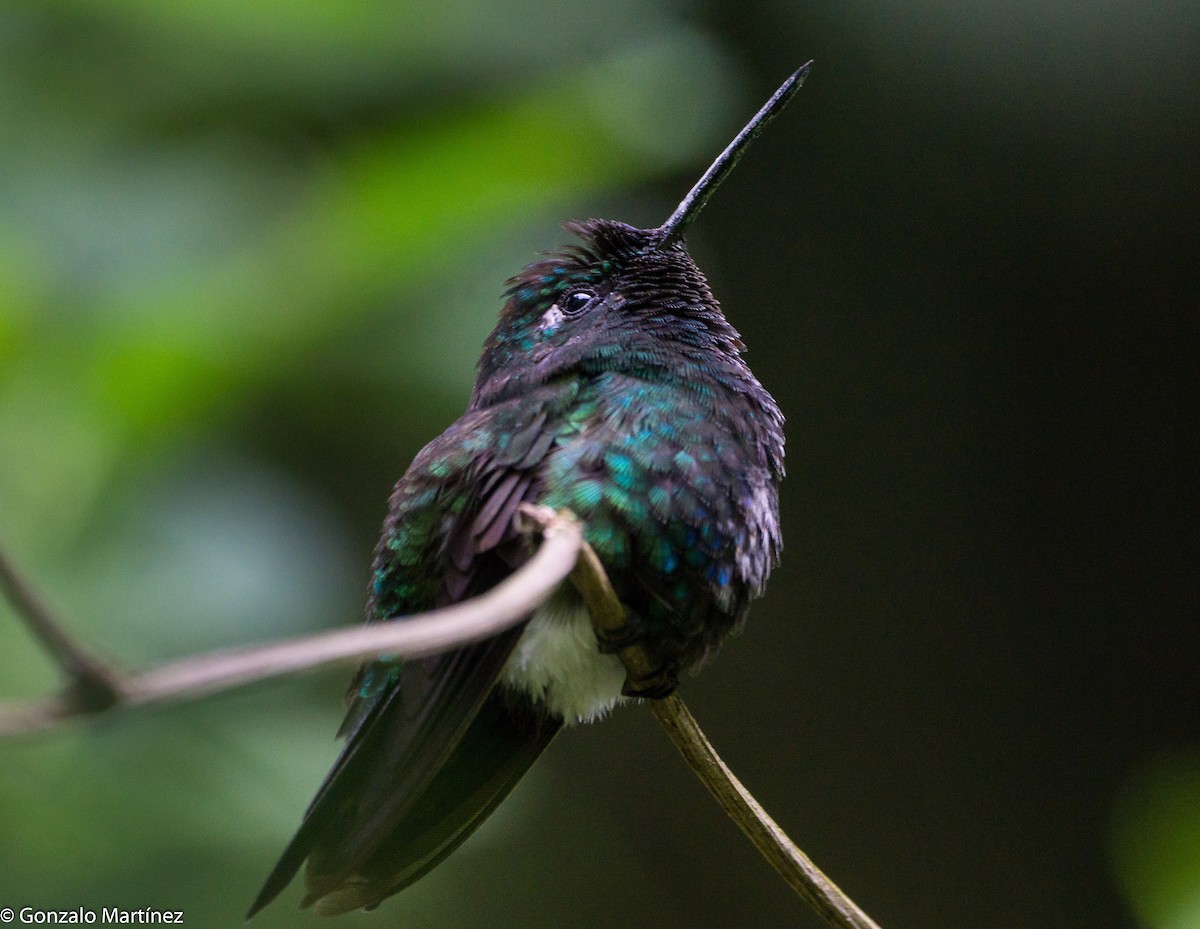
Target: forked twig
point(93, 682)
point(94, 685)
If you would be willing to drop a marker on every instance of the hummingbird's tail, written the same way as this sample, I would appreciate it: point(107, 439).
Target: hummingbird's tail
point(502, 742)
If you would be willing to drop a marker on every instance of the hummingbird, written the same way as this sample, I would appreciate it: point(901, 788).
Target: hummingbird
point(613, 387)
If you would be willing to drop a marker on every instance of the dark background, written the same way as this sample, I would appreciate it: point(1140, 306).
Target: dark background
point(248, 254)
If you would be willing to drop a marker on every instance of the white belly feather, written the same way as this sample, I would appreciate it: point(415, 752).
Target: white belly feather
point(556, 662)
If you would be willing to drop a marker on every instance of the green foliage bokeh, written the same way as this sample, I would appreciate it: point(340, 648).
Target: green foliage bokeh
point(210, 209)
point(248, 253)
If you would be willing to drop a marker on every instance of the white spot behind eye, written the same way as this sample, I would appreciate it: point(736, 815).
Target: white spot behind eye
point(552, 318)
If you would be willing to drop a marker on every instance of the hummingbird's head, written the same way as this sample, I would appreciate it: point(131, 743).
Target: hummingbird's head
point(626, 300)
point(618, 302)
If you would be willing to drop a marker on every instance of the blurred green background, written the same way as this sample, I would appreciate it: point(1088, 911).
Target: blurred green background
point(248, 254)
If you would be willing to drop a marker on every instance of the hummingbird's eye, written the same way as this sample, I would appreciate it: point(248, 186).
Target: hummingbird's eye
point(576, 301)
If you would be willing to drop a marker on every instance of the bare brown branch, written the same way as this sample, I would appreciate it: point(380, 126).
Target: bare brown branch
point(503, 606)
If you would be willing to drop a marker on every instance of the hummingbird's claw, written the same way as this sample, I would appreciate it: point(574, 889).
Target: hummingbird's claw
point(661, 683)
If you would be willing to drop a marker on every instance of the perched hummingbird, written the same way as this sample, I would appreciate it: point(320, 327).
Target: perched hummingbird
point(614, 387)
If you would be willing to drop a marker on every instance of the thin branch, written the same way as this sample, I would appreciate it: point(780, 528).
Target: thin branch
point(94, 682)
point(804, 877)
point(418, 636)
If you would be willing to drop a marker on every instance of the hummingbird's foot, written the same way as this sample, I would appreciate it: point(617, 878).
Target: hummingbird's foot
point(645, 676)
point(655, 686)
point(611, 641)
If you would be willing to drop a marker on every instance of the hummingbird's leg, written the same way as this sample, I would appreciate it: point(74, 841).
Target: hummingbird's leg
point(655, 686)
point(646, 677)
point(645, 674)
point(612, 641)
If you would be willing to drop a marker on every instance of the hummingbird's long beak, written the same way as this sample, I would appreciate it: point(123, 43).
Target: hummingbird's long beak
point(691, 205)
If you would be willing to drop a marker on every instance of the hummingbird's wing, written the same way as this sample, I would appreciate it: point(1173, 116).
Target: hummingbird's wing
point(408, 787)
point(503, 740)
